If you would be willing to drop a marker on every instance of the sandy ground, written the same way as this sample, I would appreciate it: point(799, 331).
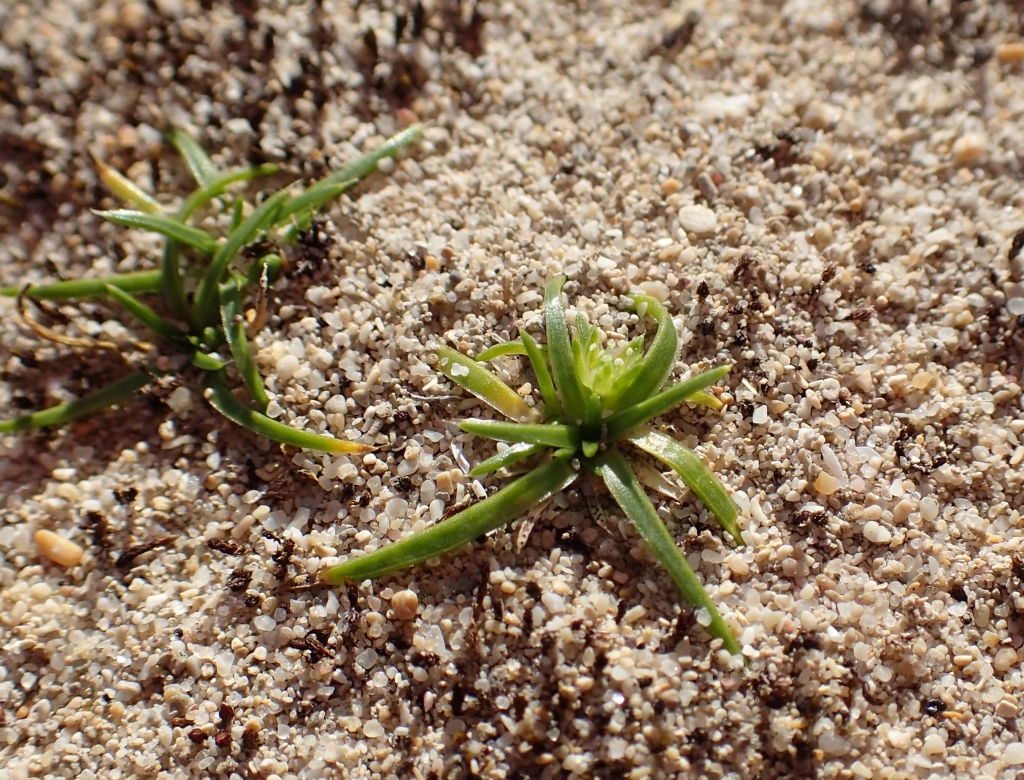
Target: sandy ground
point(825, 193)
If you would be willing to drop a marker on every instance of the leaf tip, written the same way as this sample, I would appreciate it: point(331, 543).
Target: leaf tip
point(344, 447)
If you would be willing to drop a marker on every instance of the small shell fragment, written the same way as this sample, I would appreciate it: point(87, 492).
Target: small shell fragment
point(61, 551)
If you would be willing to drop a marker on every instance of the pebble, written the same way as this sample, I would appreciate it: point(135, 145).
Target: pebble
point(899, 738)
point(1014, 754)
point(591, 230)
point(826, 484)
point(61, 551)
point(697, 219)
point(671, 186)
point(1010, 52)
point(133, 15)
point(969, 148)
point(405, 603)
point(1007, 708)
point(1005, 659)
point(876, 533)
point(286, 367)
point(929, 509)
point(822, 235)
point(737, 565)
point(934, 745)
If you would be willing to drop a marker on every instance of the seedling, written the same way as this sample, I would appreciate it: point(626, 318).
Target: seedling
point(594, 400)
point(203, 284)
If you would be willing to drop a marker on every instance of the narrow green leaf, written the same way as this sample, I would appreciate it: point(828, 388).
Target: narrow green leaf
point(193, 237)
point(234, 331)
point(512, 454)
point(225, 402)
point(567, 383)
point(515, 347)
point(86, 405)
point(136, 282)
point(206, 362)
point(540, 369)
point(632, 416)
point(126, 189)
point(237, 215)
point(311, 200)
point(218, 185)
point(592, 420)
point(367, 164)
point(150, 318)
point(259, 220)
point(698, 477)
point(550, 435)
point(172, 284)
point(628, 494)
point(317, 195)
point(198, 161)
point(704, 398)
point(484, 385)
point(493, 512)
point(659, 361)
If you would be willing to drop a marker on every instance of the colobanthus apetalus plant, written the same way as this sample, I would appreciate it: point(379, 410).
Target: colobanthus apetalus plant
point(203, 281)
point(596, 400)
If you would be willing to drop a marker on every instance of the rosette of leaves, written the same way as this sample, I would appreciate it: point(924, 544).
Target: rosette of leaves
point(597, 403)
point(203, 283)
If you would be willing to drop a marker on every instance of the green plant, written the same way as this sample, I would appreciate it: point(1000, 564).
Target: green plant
point(594, 400)
point(204, 294)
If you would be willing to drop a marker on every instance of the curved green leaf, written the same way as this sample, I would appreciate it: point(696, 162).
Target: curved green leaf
point(628, 494)
point(550, 435)
point(515, 347)
point(89, 404)
point(632, 416)
point(469, 374)
point(317, 195)
point(567, 383)
point(186, 234)
point(234, 331)
point(659, 361)
point(261, 219)
point(196, 159)
point(206, 361)
point(367, 164)
point(126, 189)
point(150, 318)
point(218, 185)
point(493, 512)
point(697, 476)
point(225, 402)
point(135, 282)
point(512, 454)
point(172, 285)
point(540, 369)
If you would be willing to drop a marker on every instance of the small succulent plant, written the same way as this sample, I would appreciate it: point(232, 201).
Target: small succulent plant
point(595, 400)
point(202, 285)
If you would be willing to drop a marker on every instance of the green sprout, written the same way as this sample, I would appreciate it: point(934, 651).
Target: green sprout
point(594, 399)
point(201, 282)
